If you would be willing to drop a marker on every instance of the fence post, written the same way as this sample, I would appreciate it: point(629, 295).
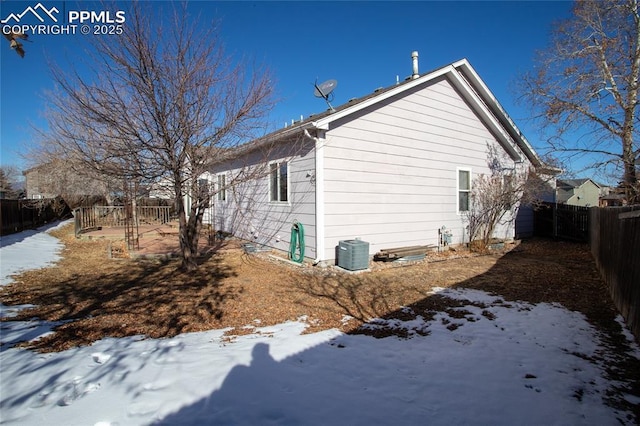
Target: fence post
point(77, 212)
point(554, 231)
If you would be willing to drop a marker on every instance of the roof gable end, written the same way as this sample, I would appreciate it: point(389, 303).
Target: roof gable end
point(473, 90)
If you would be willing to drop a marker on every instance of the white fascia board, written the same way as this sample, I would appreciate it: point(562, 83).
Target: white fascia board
point(324, 125)
point(324, 122)
point(485, 114)
point(481, 88)
point(467, 81)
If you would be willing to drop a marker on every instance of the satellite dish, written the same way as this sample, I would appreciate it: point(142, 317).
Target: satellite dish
point(323, 90)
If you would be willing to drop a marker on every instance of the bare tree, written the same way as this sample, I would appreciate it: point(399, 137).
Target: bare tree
point(62, 177)
point(495, 197)
point(7, 176)
point(163, 102)
point(586, 84)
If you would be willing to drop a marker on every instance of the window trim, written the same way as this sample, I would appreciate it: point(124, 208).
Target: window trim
point(279, 180)
point(458, 190)
point(204, 185)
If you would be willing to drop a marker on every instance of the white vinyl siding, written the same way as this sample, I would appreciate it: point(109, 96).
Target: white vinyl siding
point(391, 172)
point(249, 213)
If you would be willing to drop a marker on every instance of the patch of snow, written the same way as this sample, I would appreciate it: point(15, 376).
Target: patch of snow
point(466, 294)
point(635, 350)
point(43, 250)
point(28, 250)
point(345, 319)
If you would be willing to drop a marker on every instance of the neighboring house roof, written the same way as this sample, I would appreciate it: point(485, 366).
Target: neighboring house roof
point(613, 196)
point(575, 183)
point(34, 169)
point(464, 79)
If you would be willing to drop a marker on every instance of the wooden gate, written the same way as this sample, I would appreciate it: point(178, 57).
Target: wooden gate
point(562, 221)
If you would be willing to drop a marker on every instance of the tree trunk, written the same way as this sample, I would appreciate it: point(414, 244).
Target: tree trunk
point(630, 179)
point(189, 232)
point(188, 251)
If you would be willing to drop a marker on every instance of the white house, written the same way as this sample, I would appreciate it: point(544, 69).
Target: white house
point(391, 168)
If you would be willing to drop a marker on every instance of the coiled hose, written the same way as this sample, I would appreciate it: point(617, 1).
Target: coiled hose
point(296, 245)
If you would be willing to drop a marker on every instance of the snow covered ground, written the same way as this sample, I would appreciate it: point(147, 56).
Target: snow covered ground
point(518, 364)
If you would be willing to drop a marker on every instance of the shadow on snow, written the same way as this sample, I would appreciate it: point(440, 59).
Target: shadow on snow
point(377, 387)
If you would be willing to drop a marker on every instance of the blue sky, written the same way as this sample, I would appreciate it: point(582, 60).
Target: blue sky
point(363, 45)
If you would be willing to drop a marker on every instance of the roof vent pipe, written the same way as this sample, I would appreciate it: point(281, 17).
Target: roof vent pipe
point(414, 57)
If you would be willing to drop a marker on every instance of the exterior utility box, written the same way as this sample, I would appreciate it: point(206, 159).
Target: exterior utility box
point(353, 255)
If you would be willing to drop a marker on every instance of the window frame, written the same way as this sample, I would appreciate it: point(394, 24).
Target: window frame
point(460, 190)
point(204, 187)
point(278, 179)
point(221, 194)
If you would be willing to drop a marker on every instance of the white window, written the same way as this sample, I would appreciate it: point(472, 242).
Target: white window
point(279, 182)
point(203, 188)
point(222, 188)
point(464, 190)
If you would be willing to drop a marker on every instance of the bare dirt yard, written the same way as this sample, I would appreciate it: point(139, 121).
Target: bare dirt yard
point(99, 295)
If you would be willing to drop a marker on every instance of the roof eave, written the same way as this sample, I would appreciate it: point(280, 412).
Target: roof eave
point(471, 86)
point(479, 105)
point(486, 105)
point(492, 102)
point(323, 123)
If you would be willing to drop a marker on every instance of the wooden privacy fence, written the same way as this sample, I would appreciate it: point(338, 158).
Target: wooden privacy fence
point(18, 215)
point(562, 221)
point(615, 245)
point(88, 218)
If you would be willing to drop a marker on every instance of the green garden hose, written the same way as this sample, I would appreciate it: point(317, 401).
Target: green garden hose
point(296, 246)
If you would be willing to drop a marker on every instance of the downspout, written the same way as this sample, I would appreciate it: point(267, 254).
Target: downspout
point(319, 192)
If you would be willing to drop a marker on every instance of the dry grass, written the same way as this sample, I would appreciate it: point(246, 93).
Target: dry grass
point(122, 297)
